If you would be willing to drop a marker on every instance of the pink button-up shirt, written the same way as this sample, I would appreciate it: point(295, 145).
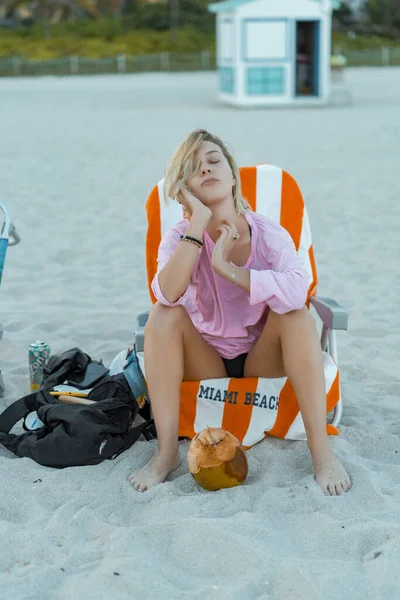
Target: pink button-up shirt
point(227, 316)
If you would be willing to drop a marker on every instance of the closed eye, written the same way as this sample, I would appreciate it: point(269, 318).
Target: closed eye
point(211, 162)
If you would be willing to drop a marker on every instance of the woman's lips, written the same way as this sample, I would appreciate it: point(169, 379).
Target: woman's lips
point(209, 181)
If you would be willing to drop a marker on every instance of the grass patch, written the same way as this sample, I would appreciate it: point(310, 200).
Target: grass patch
point(67, 40)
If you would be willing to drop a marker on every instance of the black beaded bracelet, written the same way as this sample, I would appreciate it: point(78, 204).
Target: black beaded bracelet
point(189, 238)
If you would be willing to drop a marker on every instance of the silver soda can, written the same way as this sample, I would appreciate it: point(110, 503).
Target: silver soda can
point(39, 353)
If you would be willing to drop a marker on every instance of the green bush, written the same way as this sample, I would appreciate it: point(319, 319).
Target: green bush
point(130, 43)
point(360, 42)
point(144, 30)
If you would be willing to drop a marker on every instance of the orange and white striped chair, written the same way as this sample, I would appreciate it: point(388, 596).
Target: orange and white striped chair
point(252, 408)
point(8, 237)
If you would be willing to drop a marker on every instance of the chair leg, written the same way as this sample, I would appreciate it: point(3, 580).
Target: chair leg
point(324, 338)
point(337, 413)
point(2, 387)
point(332, 348)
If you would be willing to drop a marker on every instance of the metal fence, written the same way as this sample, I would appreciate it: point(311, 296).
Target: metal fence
point(164, 61)
point(76, 65)
point(376, 57)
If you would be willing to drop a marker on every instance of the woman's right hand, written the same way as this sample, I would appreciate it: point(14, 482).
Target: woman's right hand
point(193, 205)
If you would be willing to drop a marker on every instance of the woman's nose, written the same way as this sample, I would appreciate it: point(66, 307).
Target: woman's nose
point(204, 171)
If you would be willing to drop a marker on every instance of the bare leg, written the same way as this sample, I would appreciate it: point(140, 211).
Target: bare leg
point(289, 345)
point(174, 351)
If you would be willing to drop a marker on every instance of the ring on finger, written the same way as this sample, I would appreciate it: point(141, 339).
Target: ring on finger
point(235, 237)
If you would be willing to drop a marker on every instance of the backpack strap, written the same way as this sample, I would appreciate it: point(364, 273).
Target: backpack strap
point(22, 407)
point(148, 430)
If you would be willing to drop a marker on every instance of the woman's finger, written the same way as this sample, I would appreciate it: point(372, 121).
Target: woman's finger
point(233, 230)
point(223, 229)
point(230, 228)
point(231, 233)
point(181, 198)
point(231, 225)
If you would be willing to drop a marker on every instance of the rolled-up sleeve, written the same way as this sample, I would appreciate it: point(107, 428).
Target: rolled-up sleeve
point(284, 287)
point(166, 249)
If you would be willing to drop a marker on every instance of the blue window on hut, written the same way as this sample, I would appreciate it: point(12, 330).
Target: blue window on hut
point(265, 80)
point(227, 79)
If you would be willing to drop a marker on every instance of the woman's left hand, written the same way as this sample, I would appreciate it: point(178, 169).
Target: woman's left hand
point(224, 246)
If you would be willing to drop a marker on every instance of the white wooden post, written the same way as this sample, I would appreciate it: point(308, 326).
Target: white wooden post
point(205, 59)
point(164, 61)
point(74, 65)
point(121, 63)
point(16, 63)
point(385, 55)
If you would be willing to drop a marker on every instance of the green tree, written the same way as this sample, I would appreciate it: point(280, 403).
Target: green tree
point(384, 13)
point(344, 15)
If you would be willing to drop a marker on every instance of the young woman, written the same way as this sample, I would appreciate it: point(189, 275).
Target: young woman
point(231, 293)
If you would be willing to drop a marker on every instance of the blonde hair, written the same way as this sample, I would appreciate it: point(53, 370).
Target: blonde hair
point(184, 164)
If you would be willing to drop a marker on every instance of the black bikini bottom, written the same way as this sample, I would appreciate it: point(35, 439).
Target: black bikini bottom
point(235, 366)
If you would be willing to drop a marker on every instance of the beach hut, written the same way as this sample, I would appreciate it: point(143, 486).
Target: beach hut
point(273, 52)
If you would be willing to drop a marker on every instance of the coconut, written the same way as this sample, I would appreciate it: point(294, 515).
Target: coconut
point(217, 459)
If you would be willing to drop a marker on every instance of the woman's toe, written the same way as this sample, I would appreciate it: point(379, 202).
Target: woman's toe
point(338, 488)
point(331, 489)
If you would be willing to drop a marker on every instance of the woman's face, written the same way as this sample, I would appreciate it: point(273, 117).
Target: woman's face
point(214, 180)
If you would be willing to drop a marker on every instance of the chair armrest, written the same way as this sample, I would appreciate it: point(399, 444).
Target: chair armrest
point(141, 321)
point(139, 339)
point(14, 237)
point(332, 315)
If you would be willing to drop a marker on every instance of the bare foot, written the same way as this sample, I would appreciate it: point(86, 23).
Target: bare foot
point(330, 475)
point(156, 471)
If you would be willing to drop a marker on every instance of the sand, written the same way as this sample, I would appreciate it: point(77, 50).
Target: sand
point(78, 158)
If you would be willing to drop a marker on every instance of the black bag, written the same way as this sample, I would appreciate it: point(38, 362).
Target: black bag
point(71, 364)
point(76, 435)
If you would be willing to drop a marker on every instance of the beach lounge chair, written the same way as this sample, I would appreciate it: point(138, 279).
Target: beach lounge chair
point(8, 237)
point(252, 408)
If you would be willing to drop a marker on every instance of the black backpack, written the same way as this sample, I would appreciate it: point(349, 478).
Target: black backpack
point(76, 435)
